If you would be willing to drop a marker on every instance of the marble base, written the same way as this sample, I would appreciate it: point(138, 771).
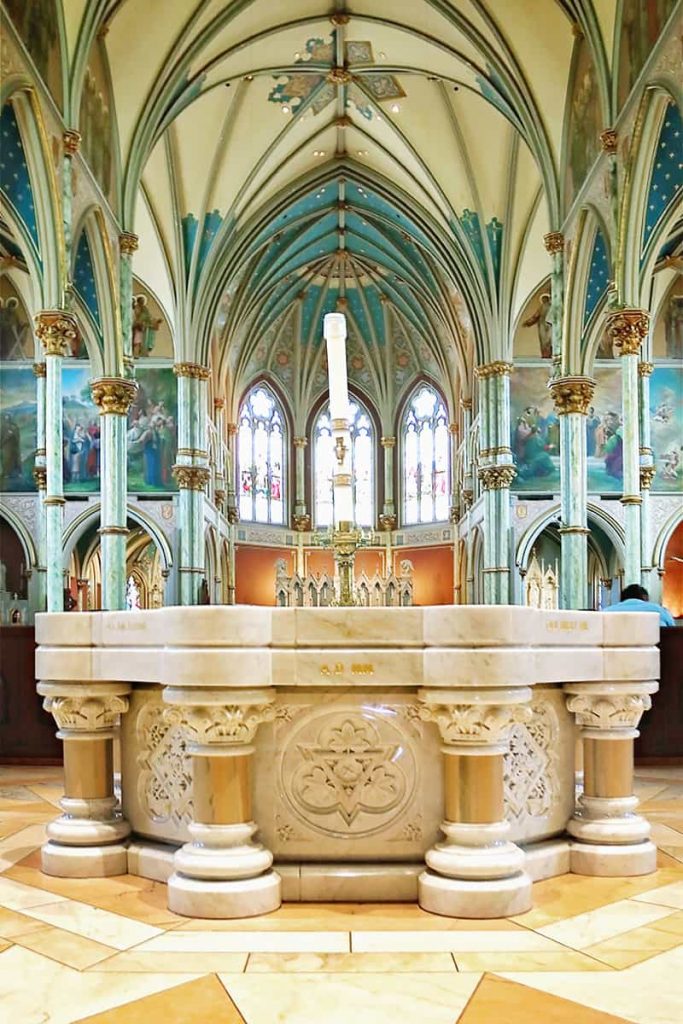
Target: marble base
point(456, 897)
point(151, 860)
point(211, 898)
point(547, 859)
point(605, 861)
point(84, 861)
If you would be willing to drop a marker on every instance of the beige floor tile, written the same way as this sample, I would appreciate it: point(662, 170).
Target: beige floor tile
point(36, 989)
point(203, 1001)
point(16, 896)
point(133, 960)
point(450, 942)
point(666, 896)
point(13, 924)
point(88, 890)
point(673, 923)
point(585, 930)
point(175, 941)
point(4, 944)
point(344, 963)
point(146, 905)
point(351, 998)
point(632, 947)
point(675, 852)
point(650, 992)
point(68, 949)
point(49, 792)
point(20, 844)
point(562, 960)
point(501, 1000)
point(11, 827)
point(93, 923)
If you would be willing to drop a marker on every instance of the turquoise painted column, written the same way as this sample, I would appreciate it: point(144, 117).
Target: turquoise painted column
point(219, 415)
point(572, 396)
point(387, 519)
point(647, 474)
point(192, 474)
point(57, 331)
point(628, 328)
point(301, 518)
point(554, 244)
point(496, 473)
point(40, 477)
point(113, 396)
point(128, 244)
point(72, 143)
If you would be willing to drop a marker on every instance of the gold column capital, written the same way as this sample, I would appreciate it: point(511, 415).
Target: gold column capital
point(72, 141)
point(40, 477)
point(647, 475)
point(554, 242)
point(191, 478)
point(301, 521)
point(572, 394)
point(219, 404)
point(466, 404)
point(128, 243)
point(40, 369)
point(113, 395)
point(298, 442)
point(498, 368)
point(387, 521)
point(56, 330)
point(388, 442)
point(232, 429)
point(628, 329)
point(609, 141)
point(496, 478)
point(645, 369)
point(194, 370)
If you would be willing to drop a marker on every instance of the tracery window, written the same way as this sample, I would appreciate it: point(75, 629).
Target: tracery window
point(426, 451)
point(362, 466)
point(261, 461)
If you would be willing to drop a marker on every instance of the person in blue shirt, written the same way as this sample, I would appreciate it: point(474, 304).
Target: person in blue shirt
point(635, 598)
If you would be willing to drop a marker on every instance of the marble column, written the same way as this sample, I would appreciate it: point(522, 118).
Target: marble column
point(113, 396)
point(222, 872)
point(455, 511)
point(301, 519)
point(72, 144)
point(628, 328)
point(192, 475)
point(554, 245)
point(128, 245)
point(57, 331)
point(219, 491)
point(572, 397)
point(87, 840)
point(388, 519)
point(496, 473)
point(609, 837)
point(469, 470)
point(475, 872)
point(233, 514)
point(40, 477)
point(647, 473)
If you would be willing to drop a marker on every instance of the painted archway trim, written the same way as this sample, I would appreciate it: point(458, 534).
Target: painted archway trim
point(612, 529)
point(80, 525)
point(25, 538)
point(663, 538)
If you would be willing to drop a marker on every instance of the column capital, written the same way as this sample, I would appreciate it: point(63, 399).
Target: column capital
point(128, 243)
point(301, 521)
point(387, 521)
point(89, 708)
point(298, 442)
point(113, 395)
point(645, 369)
point(554, 242)
point(628, 329)
point(191, 478)
point(194, 370)
point(72, 141)
point(219, 718)
point(609, 141)
point(475, 718)
point(609, 709)
point(40, 477)
point(219, 404)
point(232, 429)
point(572, 394)
point(388, 442)
point(498, 368)
point(496, 478)
point(56, 330)
point(233, 515)
point(40, 369)
point(466, 404)
point(647, 474)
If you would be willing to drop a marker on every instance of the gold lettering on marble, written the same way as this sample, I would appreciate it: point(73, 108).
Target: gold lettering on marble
point(565, 624)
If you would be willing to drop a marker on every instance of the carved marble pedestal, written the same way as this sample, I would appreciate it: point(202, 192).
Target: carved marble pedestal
point(86, 841)
point(222, 872)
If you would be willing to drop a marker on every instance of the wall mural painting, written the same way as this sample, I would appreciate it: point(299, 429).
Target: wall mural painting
point(151, 332)
point(604, 434)
point(666, 424)
point(641, 24)
point(80, 432)
point(533, 336)
point(535, 427)
point(95, 120)
point(584, 121)
point(17, 428)
point(16, 337)
point(152, 437)
point(37, 22)
point(667, 337)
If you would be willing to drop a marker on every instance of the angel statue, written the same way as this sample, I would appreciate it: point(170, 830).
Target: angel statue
point(545, 328)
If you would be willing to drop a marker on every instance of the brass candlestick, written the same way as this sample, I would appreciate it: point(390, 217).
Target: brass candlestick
point(345, 541)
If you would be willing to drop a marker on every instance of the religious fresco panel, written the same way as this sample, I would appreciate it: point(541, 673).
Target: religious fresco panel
point(533, 337)
point(37, 23)
point(17, 428)
point(666, 425)
point(151, 331)
point(16, 336)
point(641, 24)
point(535, 430)
point(604, 433)
point(667, 337)
point(95, 120)
point(584, 121)
point(80, 432)
point(152, 437)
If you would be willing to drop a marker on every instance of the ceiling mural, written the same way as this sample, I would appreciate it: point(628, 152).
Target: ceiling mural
point(37, 23)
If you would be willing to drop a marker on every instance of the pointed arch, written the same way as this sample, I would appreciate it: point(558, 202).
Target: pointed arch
point(424, 456)
point(262, 456)
point(363, 430)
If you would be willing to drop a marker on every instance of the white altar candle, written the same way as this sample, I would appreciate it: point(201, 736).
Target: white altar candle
point(334, 332)
point(343, 504)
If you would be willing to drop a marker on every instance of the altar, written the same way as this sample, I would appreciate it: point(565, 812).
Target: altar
point(360, 754)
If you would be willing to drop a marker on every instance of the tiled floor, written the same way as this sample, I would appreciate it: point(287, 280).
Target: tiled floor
point(590, 952)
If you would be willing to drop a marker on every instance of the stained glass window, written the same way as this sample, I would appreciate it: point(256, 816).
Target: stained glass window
point(426, 450)
point(362, 466)
point(261, 457)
